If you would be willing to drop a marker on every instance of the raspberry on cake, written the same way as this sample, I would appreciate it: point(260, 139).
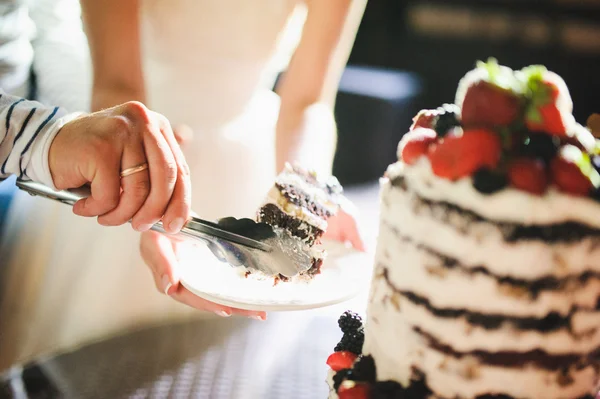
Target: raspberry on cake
point(299, 204)
point(487, 269)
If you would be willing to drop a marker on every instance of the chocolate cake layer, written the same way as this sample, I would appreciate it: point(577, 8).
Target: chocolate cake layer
point(511, 232)
point(552, 322)
point(272, 215)
point(298, 197)
point(532, 287)
point(538, 358)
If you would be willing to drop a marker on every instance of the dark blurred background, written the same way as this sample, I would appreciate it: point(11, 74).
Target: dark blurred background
point(410, 55)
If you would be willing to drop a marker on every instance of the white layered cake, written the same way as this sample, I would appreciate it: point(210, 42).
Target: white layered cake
point(487, 275)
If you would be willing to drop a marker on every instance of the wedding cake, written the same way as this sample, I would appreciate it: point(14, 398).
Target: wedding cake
point(487, 269)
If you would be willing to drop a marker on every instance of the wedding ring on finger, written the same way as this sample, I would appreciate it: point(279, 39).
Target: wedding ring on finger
point(134, 169)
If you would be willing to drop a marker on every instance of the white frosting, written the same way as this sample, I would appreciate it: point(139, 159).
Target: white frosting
point(484, 244)
point(508, 205)
point(521, 382)
point(396, 348)
point(455, 288)
point(313, 191)
point(275, 197)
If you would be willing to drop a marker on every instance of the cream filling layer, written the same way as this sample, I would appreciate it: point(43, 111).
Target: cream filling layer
point(275, 197)
point(396, 348)
point(483, 245)
point(508, 205)
point(423, 273)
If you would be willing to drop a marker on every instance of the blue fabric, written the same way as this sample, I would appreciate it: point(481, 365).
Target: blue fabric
point(7, 192)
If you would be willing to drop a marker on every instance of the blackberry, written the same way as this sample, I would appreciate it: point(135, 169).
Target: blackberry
point(540, 145)
point(487, 181)
point(387, 390)
point(364, 369)
point(341, 376)
point(349, 322)
point(446, 119)
point(595, 194)
point(351, 342)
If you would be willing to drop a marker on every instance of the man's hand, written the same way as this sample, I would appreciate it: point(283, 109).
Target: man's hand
point(160, 254)
point(95, 148)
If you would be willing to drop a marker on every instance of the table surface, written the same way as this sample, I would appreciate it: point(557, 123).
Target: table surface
point(283, 357)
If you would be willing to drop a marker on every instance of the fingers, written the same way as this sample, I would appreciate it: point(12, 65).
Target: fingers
point(186, 297)
point(159, 254)
point(344, 228)
point(353, 236)
point(106, 190)
point(163, 177)
point(178, 209)
point(135, 188)
point(183, 134)
point(348, 215)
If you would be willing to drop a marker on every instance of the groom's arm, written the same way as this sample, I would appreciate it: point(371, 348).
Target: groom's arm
point(113, 31)
point(306, 130)
point(27, 129)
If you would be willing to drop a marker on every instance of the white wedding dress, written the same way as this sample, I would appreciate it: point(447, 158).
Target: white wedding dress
point(209, 64)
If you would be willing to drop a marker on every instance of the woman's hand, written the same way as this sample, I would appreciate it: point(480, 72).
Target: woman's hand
point(95, 148)
point(343, 227)
point(160, 254)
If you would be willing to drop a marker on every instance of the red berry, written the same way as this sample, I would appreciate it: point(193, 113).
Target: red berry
point(415, 144)
point(567, 176)
point(528, 175)
point(488, 105)
point(461, 155)
point(544, 113)
point(547, 119)
point(353, 390)
point(424, 119)
point(341, 360)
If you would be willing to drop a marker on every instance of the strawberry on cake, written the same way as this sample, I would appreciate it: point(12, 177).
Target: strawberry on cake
point(487, 269)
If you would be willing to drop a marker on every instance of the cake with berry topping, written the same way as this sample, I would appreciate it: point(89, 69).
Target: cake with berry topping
point(299, 205)
point(487, 269)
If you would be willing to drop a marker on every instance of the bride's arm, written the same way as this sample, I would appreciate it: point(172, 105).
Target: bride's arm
point(306, 130)
point(112, 28)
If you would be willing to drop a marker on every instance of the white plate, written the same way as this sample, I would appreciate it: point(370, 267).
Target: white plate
point(344, 274)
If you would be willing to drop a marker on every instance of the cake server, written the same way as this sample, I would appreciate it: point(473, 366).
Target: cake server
point(238, 242)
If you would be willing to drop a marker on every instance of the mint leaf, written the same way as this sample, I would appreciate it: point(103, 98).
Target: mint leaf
point(501, 76)
point(492, 67)
point(534, 72)
point(596, 150)
point(583, 162)
point(537, 92)
point(534, 115)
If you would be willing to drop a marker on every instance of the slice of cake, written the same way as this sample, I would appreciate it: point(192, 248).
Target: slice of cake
point(487, 269)
point(300, 203)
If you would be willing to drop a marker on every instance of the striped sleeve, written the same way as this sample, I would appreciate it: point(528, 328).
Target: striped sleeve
point(27, 129)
